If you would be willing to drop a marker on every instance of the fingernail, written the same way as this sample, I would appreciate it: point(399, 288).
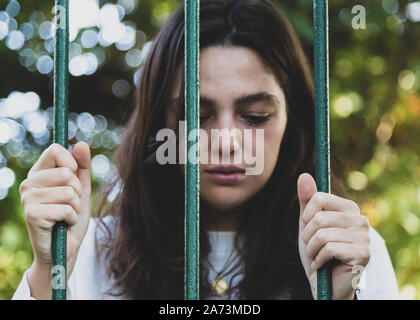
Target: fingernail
point(313, 265)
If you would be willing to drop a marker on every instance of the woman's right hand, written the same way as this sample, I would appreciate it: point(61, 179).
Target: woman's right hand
point(58, 188)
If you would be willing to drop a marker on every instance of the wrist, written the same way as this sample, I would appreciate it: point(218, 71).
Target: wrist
point(42, 268)
point(39, 280)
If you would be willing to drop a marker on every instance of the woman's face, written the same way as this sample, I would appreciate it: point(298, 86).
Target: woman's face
point(239, 94)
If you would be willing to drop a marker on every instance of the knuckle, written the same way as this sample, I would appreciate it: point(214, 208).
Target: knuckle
point(354, 206)
point(321, 236)
point(364, 222)
point(77, 204)
point(319, 219)
point(69, 193)
point(65, 174)
point(30, 172)
point(329, 249)
point(53, 150)
point(308, 251)
point(73, 199)
point(305, 235)
point(318, 197)
point(365, 255)
point(68, 210)
point(362, 238)
point(23, 186)
point(366, 239)
point(24, 200)
point(31, 214)
point(70, 213)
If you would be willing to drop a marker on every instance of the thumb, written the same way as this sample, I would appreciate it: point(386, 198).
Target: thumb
point(81, 152)
point(306, 189)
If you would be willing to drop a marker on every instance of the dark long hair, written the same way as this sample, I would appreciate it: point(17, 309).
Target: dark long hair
point(146, 251)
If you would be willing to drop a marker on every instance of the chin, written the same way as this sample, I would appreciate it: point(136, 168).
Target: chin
point(225, 201)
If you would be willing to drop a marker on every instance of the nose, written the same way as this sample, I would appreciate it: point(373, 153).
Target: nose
point(226, 138)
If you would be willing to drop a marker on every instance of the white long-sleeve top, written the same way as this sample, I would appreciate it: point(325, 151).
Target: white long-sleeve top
point(89, 281)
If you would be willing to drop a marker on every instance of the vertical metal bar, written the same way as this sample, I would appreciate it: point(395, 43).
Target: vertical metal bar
point(192, 186)
point(59, 234)
point(322, 131)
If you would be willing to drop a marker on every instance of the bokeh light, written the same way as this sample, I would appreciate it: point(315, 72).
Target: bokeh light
point(15, 40)
point(45, 64)
point(7, 178)
point(13, 8)
point(89, 39)
point(390, 6)
point(357, 180)
point(121, 88)
point(413, 11)
point(406, 79)
point(92, 27)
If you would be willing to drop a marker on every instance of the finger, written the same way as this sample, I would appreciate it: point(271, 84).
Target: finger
point(347, 253)
point(54, 195)
point(54, 156)
point(322, 201)
point(323, 236)
point(306, 188)
point(46, 215)
point(333, 219)
point(52, 178)
point(81, 153)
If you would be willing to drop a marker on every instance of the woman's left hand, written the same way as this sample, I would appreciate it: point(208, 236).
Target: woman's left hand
point(331, 227)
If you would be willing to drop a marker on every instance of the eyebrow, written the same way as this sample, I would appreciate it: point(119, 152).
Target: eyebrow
point(245, 100)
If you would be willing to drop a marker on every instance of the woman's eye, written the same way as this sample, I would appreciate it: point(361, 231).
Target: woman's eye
point(255, 120)
point(204, 119)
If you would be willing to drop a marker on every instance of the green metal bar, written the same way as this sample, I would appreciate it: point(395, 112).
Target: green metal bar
point(61, 58)
point(192, 186)
point(322, 131)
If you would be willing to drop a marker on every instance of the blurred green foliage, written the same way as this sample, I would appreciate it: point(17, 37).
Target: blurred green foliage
point(375, 117)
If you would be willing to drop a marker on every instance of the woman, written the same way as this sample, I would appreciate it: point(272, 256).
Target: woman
point(263, 236)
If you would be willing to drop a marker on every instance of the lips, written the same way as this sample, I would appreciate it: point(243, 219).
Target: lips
point(226, 175)
point(226, 169)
